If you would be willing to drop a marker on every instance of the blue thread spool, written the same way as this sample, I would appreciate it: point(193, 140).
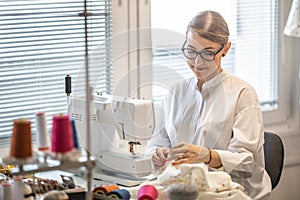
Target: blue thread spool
point(119, 194)
point(75, 139)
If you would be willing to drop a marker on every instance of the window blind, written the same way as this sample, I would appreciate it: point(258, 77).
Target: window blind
point(254, 35)
point(41, 42)
point(256, 56)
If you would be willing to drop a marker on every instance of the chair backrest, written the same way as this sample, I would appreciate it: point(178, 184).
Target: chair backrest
point(274, 157)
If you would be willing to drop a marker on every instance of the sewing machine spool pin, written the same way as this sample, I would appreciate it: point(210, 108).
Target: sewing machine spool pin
point(132, 145)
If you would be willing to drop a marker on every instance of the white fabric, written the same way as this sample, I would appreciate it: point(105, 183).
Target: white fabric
point(224, 116)
point(196, 175)
point(210, 184)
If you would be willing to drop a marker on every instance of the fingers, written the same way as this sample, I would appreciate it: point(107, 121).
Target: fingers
point(162, 153)
point(180, 161)
point(176, 156)
point(185, 153)
point(179, 151)
point(159, 158)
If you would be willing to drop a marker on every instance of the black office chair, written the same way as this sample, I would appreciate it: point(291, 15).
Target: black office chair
point(274, 157)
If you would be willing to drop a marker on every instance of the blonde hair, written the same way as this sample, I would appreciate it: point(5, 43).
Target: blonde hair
point(211, 26)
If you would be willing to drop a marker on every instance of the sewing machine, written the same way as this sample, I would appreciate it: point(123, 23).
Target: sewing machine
point(120, 128)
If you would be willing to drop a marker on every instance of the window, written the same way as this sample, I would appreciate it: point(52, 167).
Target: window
point(254, 54)
point(41, 42)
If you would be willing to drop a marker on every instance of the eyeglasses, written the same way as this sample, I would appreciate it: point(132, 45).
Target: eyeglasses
point(206, 55)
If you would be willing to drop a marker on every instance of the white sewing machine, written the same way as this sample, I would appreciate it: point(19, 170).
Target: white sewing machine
point(120, 128)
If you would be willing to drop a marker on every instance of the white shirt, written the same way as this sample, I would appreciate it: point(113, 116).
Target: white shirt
point(224, 116)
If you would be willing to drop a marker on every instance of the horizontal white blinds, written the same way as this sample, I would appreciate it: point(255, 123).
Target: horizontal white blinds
point(256, 45)
point(41, 42)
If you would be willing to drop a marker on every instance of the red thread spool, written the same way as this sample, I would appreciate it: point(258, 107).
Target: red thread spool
point(62, 138)
point(147, 192)
point(21, 146)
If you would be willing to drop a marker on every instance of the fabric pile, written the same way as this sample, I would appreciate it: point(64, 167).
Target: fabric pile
point(195, 181)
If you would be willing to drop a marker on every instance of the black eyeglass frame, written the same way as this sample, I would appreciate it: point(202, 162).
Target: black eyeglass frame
point(200, 53)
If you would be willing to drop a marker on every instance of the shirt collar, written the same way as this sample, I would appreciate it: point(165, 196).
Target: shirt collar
point(212, 83)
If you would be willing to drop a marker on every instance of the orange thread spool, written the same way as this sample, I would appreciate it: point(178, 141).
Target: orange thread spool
point(105, 189)
point(21, 146)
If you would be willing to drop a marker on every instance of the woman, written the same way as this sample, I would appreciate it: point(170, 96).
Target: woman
point(213, 117)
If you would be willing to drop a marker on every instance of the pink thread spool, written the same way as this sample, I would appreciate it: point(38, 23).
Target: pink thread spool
point(147, 192)
point(62, 137)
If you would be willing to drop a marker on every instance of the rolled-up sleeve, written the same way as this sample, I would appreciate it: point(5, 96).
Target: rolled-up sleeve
point(245, 146)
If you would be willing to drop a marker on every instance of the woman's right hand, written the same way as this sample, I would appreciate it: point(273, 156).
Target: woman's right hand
point(159, 158)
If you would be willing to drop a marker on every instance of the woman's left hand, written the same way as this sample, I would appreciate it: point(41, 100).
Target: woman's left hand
point(188, 153)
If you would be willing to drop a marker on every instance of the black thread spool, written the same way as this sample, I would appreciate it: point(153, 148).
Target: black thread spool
point(68, 85)
point(68, 90)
